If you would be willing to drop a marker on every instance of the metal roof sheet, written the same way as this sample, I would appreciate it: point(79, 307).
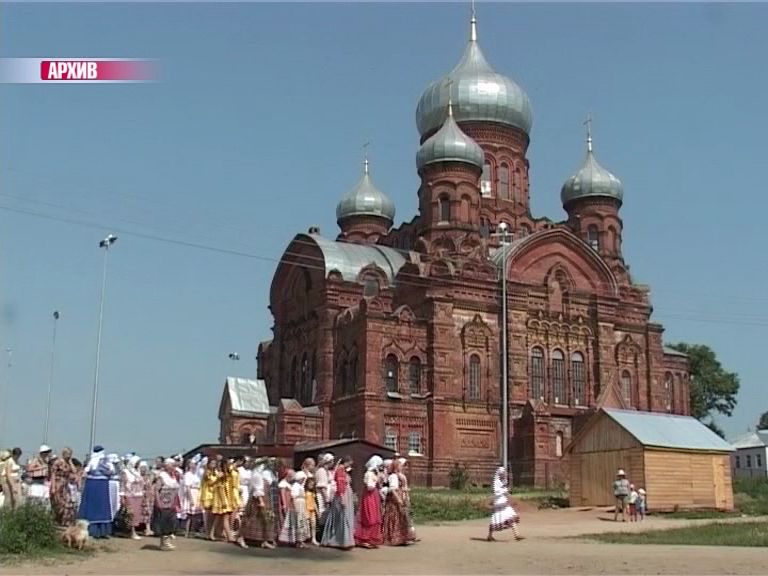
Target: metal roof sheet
point(247, 395)
point(757, 439)
point(673, 352)
point(660, 430)
point(349, 259)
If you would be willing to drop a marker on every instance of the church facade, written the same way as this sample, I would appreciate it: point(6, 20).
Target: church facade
point(395, 334)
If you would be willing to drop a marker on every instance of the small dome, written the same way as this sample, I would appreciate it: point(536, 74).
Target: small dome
point(450, 144)
point(365, 200)
point(592, 180)
point(478, 94)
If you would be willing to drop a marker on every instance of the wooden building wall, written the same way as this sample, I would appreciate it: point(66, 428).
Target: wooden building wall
point(596, 457)
point(688, 480)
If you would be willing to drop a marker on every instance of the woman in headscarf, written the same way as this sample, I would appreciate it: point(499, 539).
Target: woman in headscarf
point(322, 487)
point(503, 516)
point(148, 498)
point(396, 527)
point(115, 484)
point(190, 497)
point(368, 527)
point(295, 531)
point(257, 523)
point(208, 482)
point(339, 531)
point(405, 488)
point(133, 494)
point(63, 500)
point(166, 488)
point(95, 502)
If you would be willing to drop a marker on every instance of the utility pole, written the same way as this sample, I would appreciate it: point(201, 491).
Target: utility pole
point(503, 234)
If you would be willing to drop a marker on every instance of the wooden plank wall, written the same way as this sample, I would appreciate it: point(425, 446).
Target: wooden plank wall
point(687, 480)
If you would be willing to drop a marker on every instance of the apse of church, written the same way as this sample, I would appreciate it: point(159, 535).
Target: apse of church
point(393, 334)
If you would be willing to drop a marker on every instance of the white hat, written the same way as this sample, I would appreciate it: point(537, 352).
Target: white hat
point(327, 458)
point(620, 472)
point(169, 461)
point(641, 491)
point(44, 448)
point(374, 462)
point(300, 476)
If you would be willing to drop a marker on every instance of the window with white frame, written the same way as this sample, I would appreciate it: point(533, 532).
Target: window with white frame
point(537, 373)
point(390, 439)
point(485, 180)
point(577, 379)
point(414, 442)
point(558, 377)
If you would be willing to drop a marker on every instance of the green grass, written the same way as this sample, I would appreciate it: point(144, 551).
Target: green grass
point(444, 505)
point(750, 499)
point(754, 534)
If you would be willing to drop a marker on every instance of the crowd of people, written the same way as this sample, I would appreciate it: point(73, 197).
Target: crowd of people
point(241, 501)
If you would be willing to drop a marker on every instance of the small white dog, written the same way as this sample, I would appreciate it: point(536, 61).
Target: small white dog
point(76, 535)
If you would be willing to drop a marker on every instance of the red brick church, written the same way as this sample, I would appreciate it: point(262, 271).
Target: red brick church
point(393, 334)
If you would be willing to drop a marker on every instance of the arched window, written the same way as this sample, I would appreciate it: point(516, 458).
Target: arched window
point(414, 376)
point(444, 209)
point(593, 237)
point(464, 210)
point(524, 230)
point(559, 444)
point(626, 387)
point(667, 397)
point(577, 379)
point(474, 377)
point(485, 180)
point(304, 392)
point(294, 372)
point(485, 228)
point(343, 377)
point(537, 373)
point(370, 286)
point(558, 377)
point(391, 367)
point(352, 375)
point(504, 182)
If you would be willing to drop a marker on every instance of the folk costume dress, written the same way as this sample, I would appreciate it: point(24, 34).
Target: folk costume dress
point(368, 529)
point(396, 525)
point(295, 529)
point(226, 493)
point(190, 495)
point(64, 492)
point(257, 524)
point(166, 504)
point(95, 502)
point(504, 515)
point(321, 491)
point(133, 492)
point(339, 531)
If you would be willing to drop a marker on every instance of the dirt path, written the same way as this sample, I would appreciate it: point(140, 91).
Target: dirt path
point(456, 548)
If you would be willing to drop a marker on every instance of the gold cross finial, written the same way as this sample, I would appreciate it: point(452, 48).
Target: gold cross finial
point(588, 124)
point(450, 99)
point(365, 156)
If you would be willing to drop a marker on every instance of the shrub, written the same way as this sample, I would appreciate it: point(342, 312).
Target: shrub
point(458, 477)
point(29, 529)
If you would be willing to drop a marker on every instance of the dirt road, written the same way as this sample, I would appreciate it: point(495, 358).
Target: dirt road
point(456, 548)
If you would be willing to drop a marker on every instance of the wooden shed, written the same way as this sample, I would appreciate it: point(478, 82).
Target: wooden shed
point(680, 462)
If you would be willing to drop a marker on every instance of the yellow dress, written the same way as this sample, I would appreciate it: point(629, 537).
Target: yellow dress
point(226, 493)
point(206, 488)
point(311, 504)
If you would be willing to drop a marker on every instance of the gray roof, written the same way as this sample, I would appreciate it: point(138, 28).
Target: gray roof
point(450, 144)
point(478, 94)
point(658, 430)
point(592, 180)
point(673, 352)
point(365, 200)
point(247, 396)
point(349, 259)
point(757, 439)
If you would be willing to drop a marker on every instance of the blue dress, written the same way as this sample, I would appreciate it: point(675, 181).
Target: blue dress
point(95, 502)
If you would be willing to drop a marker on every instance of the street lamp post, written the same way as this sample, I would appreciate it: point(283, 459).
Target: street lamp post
point(4, 395)
point(106, 243)
point(50, 379)
point(503, 231)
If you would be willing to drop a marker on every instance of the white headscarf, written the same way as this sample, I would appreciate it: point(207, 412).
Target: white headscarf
point(133, 461)
point(374, 462)
point(94, 461)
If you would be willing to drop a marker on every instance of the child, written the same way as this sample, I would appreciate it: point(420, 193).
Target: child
point(310, 492)
point(633, 495)
point(641, 503)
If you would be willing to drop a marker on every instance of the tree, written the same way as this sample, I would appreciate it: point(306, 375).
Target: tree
point(712, 425)
point(713, 389)
point(762, 424)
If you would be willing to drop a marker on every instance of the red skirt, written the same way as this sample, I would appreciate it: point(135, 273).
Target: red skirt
point(397, 528)
point(368, 525)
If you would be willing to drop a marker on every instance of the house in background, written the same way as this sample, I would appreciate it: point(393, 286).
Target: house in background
point(751, 455)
